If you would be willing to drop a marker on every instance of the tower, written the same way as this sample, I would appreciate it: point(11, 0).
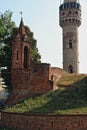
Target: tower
point(21, 49)
point(21, 59)
point(70, 20)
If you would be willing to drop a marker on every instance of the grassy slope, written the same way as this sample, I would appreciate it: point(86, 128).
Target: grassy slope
point(65, 100)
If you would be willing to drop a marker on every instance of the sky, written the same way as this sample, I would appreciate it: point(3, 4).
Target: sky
point(42, 16)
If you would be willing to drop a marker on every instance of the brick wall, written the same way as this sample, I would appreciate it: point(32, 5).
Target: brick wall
point(55, 75)
point(56, 72)
point(27, 82)
point(44, 122)
point(35, 80)
point(39, 80)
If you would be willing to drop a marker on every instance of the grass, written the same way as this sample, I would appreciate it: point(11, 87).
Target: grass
point(4, 128)
point(62, 101)
point(71, 79)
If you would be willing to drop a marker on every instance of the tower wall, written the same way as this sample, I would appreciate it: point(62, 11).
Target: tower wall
point(70, 20)
point(70, 54)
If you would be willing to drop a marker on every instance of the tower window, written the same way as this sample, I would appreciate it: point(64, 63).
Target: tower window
point(69, 20)
point(69, 12)
point(26, 57)
point(70, 43)
point(76, 12)
point(73, 20)
point(63, 13)
point(71, 69)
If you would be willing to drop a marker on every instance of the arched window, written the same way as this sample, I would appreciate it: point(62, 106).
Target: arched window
point(26, 57)
point(71, 69)
point(70, 43)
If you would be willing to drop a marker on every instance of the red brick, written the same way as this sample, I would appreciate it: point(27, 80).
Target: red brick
point(44, 122)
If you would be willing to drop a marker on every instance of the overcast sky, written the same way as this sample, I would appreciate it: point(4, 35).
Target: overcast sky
point(42, 16)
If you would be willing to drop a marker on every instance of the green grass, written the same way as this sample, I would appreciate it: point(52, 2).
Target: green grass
point(62, 101)
point(4, 128)
point(71, 79)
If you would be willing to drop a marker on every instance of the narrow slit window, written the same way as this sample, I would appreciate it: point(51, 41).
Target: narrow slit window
point(17, 55)
point(70, 43)
point(26, 57)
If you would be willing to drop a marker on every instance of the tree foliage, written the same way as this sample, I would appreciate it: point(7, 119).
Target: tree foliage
point(6, 32)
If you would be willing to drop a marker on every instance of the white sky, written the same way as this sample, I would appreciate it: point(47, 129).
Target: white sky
point(42, 16)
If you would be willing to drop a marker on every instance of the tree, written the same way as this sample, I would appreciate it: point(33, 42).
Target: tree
point(36, 57)
point(7, 30)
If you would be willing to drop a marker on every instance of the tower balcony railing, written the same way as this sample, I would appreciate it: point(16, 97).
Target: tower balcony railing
point(70, 5)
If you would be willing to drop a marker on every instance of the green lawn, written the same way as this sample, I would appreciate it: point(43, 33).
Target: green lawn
point(65, 100)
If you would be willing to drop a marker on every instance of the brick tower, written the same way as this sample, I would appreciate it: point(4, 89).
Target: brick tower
point(21, 49)
point(20, 70)
point(70, 20)
point(28, 77)
point(20, 58)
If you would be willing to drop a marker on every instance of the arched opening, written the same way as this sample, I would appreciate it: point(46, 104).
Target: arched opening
point(26, 57)
point(71, 69)
point(70, 43)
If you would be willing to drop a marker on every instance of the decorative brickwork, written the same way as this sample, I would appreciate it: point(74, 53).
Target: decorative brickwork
point(44, 122)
